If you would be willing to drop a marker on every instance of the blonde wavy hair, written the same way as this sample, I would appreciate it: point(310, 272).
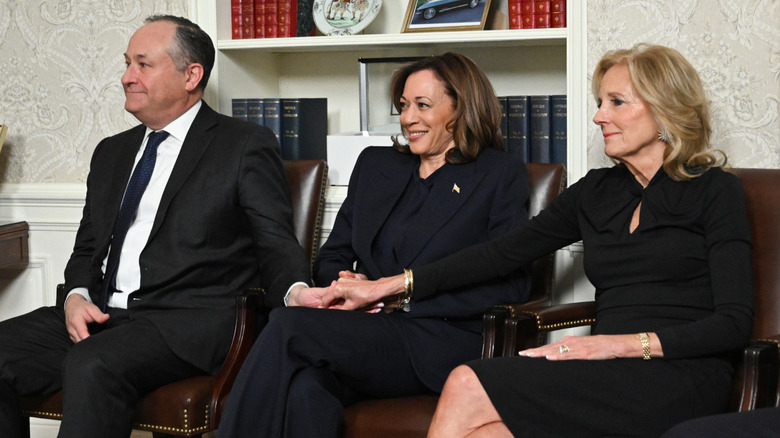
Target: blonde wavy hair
point(673, 92)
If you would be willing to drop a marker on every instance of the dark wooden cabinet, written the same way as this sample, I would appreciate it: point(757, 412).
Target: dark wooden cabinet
point(13, 246)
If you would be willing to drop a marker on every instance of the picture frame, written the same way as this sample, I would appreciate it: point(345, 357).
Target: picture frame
point(445, 15)
point(377, 112)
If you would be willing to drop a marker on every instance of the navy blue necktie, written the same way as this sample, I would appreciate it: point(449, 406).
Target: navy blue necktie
point(135, 189)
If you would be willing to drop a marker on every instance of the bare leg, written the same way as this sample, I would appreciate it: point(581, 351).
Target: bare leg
point(465, 410)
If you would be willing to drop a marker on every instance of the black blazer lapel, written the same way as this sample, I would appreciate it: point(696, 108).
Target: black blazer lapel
point(450, 191)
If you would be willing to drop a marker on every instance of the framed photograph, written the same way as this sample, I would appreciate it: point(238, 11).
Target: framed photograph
point(377, 113)
point(438, 15)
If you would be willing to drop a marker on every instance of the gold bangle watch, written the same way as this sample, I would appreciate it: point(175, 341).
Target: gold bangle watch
point(644, 338)
point(405, 299)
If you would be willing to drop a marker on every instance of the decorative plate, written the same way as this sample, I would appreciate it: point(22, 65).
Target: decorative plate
point(344, 17)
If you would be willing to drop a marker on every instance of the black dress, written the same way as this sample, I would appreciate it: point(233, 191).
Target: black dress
point(684, 273)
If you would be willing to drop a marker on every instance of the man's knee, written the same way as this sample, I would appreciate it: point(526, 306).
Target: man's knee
point(83, 364)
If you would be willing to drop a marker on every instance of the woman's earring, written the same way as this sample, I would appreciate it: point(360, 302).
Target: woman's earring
point(663, 137)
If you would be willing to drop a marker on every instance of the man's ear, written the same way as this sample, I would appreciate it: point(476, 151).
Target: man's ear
point(194, 73)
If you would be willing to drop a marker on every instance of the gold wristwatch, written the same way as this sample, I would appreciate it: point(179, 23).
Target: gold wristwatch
point(644, 338)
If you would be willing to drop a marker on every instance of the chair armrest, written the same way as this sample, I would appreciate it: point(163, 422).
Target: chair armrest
point(244, 334)
point(493, 321)
point(529, 325)
point(493, 331)
point(758, 385)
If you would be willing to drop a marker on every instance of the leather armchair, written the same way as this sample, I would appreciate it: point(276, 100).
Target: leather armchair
point(192, 407)
point(756, 381)
point(410, 417)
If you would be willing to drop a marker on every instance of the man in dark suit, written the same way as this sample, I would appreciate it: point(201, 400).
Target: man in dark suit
point(151, 288)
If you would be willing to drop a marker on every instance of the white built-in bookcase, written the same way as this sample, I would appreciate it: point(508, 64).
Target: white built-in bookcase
point(532, 61)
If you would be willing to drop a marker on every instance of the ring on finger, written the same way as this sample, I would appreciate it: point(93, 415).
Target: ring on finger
point(563, 349)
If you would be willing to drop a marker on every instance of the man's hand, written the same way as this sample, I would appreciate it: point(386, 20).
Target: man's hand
point(316, 297)
point(78, 313)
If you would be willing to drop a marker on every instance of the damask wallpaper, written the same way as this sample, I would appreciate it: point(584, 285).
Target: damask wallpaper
point(734, 45)
point(60, 63)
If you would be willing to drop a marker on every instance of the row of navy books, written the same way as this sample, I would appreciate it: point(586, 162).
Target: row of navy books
point(535, 127)
point(300, 125)
point(536, 14)
point(271, 18)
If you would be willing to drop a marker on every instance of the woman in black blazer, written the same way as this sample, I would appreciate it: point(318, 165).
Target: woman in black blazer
point(448, 186)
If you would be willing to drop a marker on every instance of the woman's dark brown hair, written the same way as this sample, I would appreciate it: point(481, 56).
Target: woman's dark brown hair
point(476, 123)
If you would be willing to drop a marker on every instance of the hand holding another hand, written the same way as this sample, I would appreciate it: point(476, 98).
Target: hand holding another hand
point(354, 293)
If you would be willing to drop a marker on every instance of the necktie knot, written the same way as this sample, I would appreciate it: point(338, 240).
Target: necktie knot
point(155, 138)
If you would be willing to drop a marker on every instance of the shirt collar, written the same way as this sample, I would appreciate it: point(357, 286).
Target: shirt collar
point(178, 128)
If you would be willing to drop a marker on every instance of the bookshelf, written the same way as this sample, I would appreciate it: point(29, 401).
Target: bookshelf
point(529, 61)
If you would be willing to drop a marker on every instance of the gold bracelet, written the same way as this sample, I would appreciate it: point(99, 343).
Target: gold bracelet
point(405, 300)
point(644, 338)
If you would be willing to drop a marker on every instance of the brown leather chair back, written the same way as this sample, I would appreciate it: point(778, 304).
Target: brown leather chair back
point(546, 181)
point(307, 181)
point(762, 195)
point(756, 383)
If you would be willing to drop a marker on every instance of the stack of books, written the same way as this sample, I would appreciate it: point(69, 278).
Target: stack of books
point(271, 18)
point(534, 127)
point(537, 14)
point(300, 125)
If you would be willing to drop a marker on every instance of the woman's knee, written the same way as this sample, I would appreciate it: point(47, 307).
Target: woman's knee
point(463, 379)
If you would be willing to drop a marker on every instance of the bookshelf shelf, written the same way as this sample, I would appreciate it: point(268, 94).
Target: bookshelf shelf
point(496, 38)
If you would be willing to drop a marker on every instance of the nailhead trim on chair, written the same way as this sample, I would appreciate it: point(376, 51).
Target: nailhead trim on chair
point(42, 414)
point(320, 211)
point(771, 340)
point(186, 428)
point(560, 325)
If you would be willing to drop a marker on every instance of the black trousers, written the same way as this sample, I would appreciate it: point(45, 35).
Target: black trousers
point(101, 377)
point(308, 364)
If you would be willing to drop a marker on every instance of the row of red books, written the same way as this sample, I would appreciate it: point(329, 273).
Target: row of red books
point(537, 14)
point(271, 18)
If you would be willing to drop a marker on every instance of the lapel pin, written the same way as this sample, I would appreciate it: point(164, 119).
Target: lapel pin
point(455, 188)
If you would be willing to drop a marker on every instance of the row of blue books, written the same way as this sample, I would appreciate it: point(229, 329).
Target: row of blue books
point(300, 125)
point(535, 127)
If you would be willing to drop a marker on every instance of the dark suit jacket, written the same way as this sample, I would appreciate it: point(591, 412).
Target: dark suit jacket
point(492, 199)
point(223, 225)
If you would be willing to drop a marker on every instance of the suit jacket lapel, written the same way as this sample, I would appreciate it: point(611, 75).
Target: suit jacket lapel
point(443, 202)
point(198, 139)
point(380, 197)
point(122, 164)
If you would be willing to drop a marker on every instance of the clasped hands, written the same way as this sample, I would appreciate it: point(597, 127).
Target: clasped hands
point(351, 291)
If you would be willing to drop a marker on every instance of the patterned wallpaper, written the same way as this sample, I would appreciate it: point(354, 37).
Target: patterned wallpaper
point(61, 63)
point(734, 45)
